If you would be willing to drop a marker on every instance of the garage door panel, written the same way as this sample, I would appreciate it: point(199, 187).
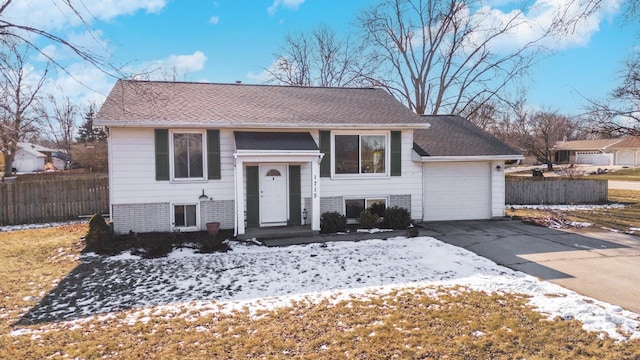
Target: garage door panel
point(626, 158)
point(457, 191)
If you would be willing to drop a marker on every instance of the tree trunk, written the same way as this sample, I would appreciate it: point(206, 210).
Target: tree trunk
point(8, 165)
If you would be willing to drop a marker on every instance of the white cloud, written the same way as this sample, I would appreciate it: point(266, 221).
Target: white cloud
point(47, 53)
point(186, 63)
point(172, 65)
point(214, 20)
point(289, 4)
point(531, 24)
point(276, 67)
point(261, 77)
point(54, 15)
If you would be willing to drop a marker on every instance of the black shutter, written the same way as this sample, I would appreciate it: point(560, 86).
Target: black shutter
point(325, 147)
point(162, 154)
point(294, 195)
point(396, 153)
point(253, 196)
point(213, 154)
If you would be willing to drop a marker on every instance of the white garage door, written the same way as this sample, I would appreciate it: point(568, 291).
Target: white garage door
point(625, 157)
point(457, 191)
point(594, 158)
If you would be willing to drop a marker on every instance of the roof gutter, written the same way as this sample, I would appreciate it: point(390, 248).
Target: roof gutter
point(466, 158)
point(229, 125)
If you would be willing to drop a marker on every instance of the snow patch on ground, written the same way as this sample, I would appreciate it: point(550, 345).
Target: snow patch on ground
point(567, 207)
point(254, 277)
point(40, 226)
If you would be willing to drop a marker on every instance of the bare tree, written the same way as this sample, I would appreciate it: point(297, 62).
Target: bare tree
point(485, 116)
point(538, 132)
point(19, 90)
point(13, 33)
point(321, 59)
point(60, 116)
point(620, 113)
point(441, 57)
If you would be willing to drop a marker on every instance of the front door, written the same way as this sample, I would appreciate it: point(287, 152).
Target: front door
point(273, 194)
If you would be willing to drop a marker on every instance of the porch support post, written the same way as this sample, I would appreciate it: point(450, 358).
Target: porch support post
point(240, 201)
point(315, 195)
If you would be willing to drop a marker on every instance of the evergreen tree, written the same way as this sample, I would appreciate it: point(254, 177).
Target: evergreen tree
point(87, 132)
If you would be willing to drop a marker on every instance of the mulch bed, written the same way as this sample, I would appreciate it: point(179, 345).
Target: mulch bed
point(159, 244)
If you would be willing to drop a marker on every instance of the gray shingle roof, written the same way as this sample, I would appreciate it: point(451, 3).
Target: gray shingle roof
point(451, 135)
point(252, 140)
point(190, 104)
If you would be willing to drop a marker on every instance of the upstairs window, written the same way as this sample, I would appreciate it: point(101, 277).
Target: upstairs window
point(188, 156)
point(360, 154)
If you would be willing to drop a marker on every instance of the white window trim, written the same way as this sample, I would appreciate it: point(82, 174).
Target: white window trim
point(387, 154)
point(203, 133)
point(185, 228)
point(365, 198)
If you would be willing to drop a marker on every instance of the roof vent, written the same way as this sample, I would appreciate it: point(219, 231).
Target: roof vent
point(238, 82)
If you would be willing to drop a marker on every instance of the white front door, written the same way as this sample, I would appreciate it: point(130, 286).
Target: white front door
point(273, 194)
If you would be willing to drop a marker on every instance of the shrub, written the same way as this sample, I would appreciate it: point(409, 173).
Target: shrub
point(368, 220)
point(396, 218)
point(378, 209)
point(332, 222)
point(99, 236)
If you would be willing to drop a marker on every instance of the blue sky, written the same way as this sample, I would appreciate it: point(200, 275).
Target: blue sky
point(231, 40)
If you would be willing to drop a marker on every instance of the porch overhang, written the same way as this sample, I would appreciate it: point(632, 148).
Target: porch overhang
point(276, 147)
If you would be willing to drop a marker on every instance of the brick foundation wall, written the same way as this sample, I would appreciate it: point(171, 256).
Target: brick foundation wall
point(141, 217)
point(403, 201)
point(329, 204)
point(222, 211)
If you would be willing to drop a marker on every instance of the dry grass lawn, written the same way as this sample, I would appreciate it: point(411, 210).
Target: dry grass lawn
point(407, 324)
point(622, 175)
point(621, 219)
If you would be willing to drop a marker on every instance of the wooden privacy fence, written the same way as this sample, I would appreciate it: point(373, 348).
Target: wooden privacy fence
point(48, 199)
point(534, 191)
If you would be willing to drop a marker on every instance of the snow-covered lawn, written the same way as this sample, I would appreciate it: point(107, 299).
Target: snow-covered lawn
point(258, 277)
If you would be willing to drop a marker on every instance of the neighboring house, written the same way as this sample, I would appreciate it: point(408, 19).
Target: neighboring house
point(594, 152)
point(627, 152)
point(184, 154)
point(28, 159)
point(32, 158)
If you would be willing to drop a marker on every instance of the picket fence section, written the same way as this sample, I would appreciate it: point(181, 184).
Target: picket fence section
point(536, 191)
point(50, 199)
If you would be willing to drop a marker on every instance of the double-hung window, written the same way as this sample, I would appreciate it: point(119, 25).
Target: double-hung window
point(188, 155)
point(360, 153)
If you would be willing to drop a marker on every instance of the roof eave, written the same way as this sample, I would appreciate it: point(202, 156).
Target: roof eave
point(228, 125)
point(470, 158)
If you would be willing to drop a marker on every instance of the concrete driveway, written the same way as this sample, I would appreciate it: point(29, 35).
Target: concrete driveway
point(602, 265)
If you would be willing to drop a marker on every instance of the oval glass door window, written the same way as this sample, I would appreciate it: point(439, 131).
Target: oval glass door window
point(273, 172)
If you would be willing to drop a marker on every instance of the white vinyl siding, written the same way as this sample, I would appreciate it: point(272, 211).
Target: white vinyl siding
point(410, 183)
point(132, 171)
